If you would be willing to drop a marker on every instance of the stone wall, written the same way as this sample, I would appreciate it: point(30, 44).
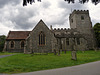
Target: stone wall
point(82, 46)
point(17, 46)
point(49, 38)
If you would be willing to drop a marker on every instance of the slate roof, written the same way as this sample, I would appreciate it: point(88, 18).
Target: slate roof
point(17, 35)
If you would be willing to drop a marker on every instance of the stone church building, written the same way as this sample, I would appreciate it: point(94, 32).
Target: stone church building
point(41, 39)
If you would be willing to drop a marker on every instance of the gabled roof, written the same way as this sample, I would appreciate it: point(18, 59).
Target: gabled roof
point(17, 35)
point(41, 22)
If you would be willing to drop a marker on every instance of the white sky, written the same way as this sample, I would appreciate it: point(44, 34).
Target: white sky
point(13, 16)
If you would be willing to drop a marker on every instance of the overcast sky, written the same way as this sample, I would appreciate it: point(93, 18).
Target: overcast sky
point(15, 17)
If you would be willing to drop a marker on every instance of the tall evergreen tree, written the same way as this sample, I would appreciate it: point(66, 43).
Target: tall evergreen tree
point(2, 41)
point(97, 33)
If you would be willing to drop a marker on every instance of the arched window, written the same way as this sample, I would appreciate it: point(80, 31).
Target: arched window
point(22, 44)
point(41, 39)
point(12, 44)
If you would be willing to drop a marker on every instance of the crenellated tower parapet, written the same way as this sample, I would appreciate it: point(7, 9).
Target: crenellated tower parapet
point(78, 12)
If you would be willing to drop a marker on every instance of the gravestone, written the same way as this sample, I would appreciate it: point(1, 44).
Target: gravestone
point(55, 52)
point(74, 57)
point(65, 51)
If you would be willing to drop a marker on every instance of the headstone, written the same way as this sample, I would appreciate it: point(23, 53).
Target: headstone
point(65, 51)
point(59, 52)
point(74, 57)
point(55, 52)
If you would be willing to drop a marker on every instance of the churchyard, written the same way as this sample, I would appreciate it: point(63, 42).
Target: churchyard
point(20, 62)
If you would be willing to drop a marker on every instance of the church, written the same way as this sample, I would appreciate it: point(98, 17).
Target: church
point(80, 36)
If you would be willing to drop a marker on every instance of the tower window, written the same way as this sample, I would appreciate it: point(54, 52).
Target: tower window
point(22, 44)
point(12, 44)
point(82, 17)
point(67, 41)
point(41, 39)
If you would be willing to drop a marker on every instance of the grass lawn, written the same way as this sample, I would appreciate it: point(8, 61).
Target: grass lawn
point(27, 63)
point(5, 53)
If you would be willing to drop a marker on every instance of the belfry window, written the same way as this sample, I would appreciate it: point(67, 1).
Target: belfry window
point(82, 17)
point(22, 44)
point(12, 44)
point(41, 38)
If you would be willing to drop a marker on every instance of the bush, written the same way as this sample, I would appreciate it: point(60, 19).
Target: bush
point(2, 41)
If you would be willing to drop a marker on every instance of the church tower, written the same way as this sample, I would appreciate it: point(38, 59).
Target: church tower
point(80, 20)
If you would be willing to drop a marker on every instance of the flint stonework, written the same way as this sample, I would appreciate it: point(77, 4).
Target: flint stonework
point(81, 29)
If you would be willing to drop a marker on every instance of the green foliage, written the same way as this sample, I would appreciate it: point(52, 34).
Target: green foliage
point(97, 32)
point(69, 1)
point(2, 41)
point(27, 63)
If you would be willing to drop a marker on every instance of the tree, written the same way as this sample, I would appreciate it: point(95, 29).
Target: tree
point(97, 33)
point(2, 41)
point(29, 1)
point(69, 1)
